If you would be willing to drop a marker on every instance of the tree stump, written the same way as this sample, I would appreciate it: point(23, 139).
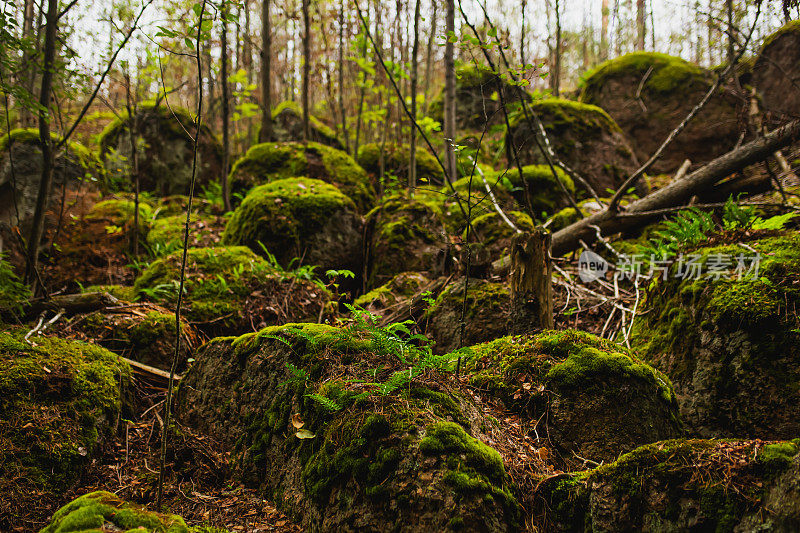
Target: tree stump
point(531, 286)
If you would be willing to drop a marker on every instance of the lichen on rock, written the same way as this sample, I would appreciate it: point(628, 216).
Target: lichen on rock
point(287, 126)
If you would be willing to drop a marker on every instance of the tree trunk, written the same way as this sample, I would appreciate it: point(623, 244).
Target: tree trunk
point(677, 193)
point(641, 30)
point(429, 55)
point(266, 70)
point(555, 71)
point(226, 139)
point(522, 31)
point(45, 93)
point(604, 31)
point(450, 92)
point(342, 114)
point(412, 156)
point(306, 69)
point(531, 286)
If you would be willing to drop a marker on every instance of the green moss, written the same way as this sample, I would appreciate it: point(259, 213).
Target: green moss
point(750, 304)
point(559, 114)
point(76, 151)
point(560, 360)
point(776, 458)
point(668, 73)
point(172, 121)
point(102, 510)
point(793, 26)
point(320, 129)
point(397, 159)
point(57, 401)
point(121, 292)
point(400, 287)
point(218, 281)
point(275, 161)
point(283, 214)
point(491, 228)
point(545, 195)
point(120, 212)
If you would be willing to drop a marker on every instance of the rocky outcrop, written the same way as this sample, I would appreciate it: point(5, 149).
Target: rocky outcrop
point(776, 74)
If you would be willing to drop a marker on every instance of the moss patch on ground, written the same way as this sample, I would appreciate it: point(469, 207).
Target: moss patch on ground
point(227, 286)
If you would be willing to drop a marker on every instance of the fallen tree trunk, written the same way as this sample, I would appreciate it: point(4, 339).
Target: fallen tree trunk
point(72, 303)
point(676, 193)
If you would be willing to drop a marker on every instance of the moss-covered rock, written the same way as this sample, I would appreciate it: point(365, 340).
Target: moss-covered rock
point(299, 219)
point(166, 233)
point(20, 151)
point(775, 73)
point(681, 485)
point(537, 190)
point(229, 290)
point(667, 88)
point(287, 125)
point(305, 426)
point(479, 203)
point(396, 160)
point(591, 396)
point(583, 136)
point(477, 98)
point(103, 511)
point(568, 215)
point(119, 212)
point(730, 345)
point(59, 401)
point(145, 333)
point(486, 318)
point(404, 234)
point(165, 148)
point(394, 294)
point(495, 234)
point(274, 161)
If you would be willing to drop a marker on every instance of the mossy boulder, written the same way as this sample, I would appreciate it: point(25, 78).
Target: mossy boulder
point(166, 233)
point(568, 215)
point(294, 406)
point(145, 333)
point(729, 341)
point(268, 162)
point(230, 290)
point(59, 401)
point(583, 136)
point(775, 73)
point(538, 190)
point(299, 219)
point(591, 396)
point(681, 485)
point(396, 161)
point(488, 305)
point(165, 148)
point(473, 198)
point(20, 150)
point(670, 88)
point(103, 511)
point(394, 294)
point(477, 98)
point(495, 234)
point(287, 125)
point(404, 234)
